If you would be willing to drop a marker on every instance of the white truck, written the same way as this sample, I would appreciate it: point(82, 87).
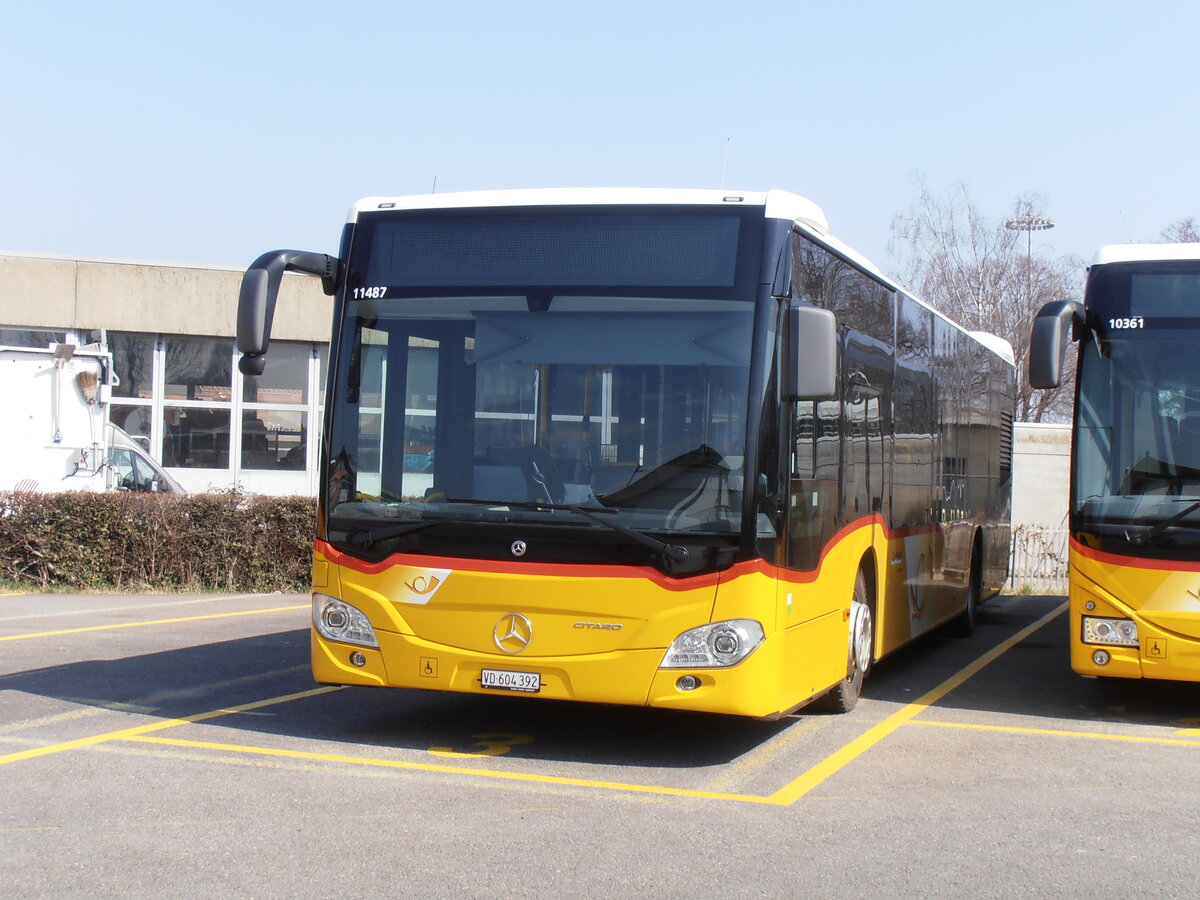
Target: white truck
point(55, 412)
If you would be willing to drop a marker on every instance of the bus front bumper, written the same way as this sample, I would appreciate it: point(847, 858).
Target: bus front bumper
point(1159, 654)
point(626, 677)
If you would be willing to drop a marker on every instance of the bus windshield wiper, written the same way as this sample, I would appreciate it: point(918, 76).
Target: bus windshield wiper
point(1154, 532)
point(371, 535)
point(671, 552)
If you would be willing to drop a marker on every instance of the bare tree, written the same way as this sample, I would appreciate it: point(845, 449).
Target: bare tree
point(1181, 232)
point(986, 277)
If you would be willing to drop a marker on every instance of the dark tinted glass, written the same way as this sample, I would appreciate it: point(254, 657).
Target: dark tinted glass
point(596, 250)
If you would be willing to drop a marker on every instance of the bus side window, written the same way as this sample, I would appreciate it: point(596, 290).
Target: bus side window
point(813, 486)
point(804, 436)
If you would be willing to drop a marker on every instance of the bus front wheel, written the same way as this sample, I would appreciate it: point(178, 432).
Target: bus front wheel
point(844, 696)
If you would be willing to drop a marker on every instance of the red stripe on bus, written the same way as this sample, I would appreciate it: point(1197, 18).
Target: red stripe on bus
point(1133, 562)
point(757, 566)
point(502, 567)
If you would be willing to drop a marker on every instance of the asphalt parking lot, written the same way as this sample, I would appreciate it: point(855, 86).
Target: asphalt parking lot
point(177, 746)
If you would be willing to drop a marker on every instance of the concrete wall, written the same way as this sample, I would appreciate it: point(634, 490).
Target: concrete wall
point(1041, 475)
point(48, 292)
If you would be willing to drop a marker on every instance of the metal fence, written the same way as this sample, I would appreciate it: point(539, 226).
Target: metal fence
point(1038, 564)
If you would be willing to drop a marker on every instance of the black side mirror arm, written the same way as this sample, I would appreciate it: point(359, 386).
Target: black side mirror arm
point(260, 291)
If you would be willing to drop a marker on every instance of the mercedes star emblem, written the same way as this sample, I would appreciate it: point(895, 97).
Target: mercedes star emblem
point(518, 548)
point(512, 633)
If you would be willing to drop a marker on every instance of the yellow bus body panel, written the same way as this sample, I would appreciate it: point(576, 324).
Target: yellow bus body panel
point(599, 633)
point(1163, 598)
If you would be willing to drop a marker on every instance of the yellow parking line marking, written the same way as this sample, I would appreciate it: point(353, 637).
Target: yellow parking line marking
point(762, 756)
point(127, 733)
point(1054, 732)
point(244, 612)
point(454, 770)
point(145, 704)
point(786, 796)
point(94, 610)
point(800, 786)
point(1194, 732)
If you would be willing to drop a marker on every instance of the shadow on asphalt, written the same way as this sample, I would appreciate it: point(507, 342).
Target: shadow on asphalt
point(1032, 679)
point(186, 681)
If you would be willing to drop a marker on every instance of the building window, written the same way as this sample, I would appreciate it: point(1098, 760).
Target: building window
point(31, 337)
point(198, 368)
point(133, 361)
point(274, 439)
point(197, 401)
point(184, 396)
point(132, 406)
point(275, 410)
point(195, 438)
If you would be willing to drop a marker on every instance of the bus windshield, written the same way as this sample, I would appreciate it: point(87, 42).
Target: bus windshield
point(1137, 450)
point(499, 372)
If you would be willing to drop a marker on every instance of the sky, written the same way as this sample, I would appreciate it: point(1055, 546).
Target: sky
point(212, 132)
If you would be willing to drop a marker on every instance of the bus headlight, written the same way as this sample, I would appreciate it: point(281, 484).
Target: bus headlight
point(1113, 632)
point(713, 646)
point(337, 620)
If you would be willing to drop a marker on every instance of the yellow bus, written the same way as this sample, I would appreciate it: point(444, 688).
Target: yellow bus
point(672, 448)
point(1135, 467)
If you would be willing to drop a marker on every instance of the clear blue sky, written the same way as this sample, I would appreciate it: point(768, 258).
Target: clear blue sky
point(210, 132)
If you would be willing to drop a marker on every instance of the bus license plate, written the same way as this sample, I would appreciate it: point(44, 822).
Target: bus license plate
point(499, 679)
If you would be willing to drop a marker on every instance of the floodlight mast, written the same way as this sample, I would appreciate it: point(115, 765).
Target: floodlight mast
point(1029, 223)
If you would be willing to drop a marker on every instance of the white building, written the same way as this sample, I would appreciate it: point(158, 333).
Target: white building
point(171, 329)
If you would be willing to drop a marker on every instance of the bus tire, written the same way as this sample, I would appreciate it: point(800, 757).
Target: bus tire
point(844, 696)
point(964, 625)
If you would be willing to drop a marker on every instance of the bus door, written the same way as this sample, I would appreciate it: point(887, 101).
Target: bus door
point(867, 375)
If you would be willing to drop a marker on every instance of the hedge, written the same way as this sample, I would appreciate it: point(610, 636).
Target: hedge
point(156, 542)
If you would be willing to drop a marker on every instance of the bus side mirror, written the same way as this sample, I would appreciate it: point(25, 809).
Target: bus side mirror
point(260, 290)
point(1048, 343)
point(810, 370)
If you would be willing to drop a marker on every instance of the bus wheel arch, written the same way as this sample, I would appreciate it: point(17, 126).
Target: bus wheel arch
point(860, 653)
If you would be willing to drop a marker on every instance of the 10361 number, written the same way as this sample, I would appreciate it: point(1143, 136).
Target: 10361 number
point(1126, 323)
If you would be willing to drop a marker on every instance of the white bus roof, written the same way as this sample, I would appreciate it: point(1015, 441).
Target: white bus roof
point(776, 204)
point(1114, 253)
